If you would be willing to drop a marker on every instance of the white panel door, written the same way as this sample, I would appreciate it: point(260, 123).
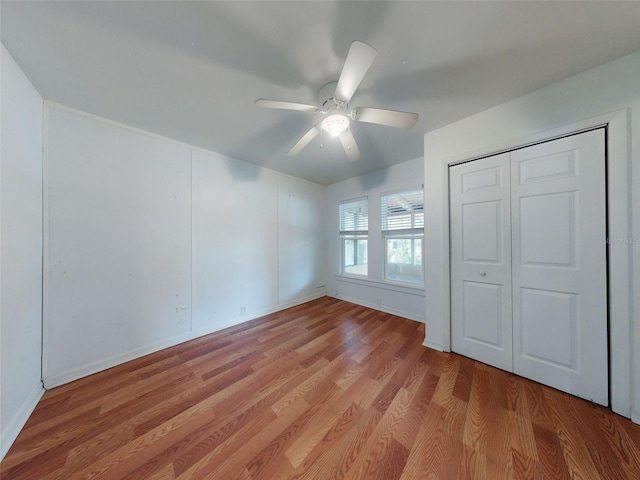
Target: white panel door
point(528, 263)
point(481, 261)
point(559, 264)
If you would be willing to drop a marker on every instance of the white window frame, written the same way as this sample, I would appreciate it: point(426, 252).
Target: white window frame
point(411, 205)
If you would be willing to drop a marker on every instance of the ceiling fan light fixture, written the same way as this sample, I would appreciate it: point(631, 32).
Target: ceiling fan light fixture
point(335, 124)
point(333, 105)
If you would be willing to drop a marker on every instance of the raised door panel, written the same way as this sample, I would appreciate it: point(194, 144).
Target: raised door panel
point(482, 314)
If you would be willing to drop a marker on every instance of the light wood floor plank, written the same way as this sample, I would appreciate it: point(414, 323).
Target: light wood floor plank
point(325, 390)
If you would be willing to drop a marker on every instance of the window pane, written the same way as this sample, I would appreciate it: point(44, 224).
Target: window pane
point(399, 250)
point(349, 253)
point(404, 260)
point(403, 211)
point(354, 216)
point(355, 255)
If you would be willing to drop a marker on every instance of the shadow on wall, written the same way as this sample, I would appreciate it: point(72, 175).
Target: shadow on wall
point(373, 180)
point(241, 171)
point(276, 138)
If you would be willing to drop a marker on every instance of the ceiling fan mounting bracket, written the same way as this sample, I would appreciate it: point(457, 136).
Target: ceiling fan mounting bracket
point(329, 102)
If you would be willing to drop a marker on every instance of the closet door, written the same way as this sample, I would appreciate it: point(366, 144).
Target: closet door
point(481, 260)
point(559, 264)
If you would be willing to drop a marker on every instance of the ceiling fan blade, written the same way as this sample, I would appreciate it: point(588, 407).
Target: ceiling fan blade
point(358, 61)
point(350, 145)
point(390, 118)
point(306, 138)
point(301, 107)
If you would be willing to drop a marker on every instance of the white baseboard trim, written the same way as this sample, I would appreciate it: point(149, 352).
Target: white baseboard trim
point(238, 320)
point(433, 345)
point(635, 416)
point(381, 308)
point(9, 435)
point(90, 369)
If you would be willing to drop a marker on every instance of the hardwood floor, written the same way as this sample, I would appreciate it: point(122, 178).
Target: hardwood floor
point(325, 390)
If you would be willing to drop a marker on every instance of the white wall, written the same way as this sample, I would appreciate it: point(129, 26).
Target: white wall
point(301, 252)
point(21, 250)
point(373, 291)
point(609, 94)
point(235, 235)
point(118, 244)
point(255, 241)
point(151, 242)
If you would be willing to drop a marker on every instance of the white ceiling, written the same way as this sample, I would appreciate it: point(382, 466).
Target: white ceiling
point(192, 70)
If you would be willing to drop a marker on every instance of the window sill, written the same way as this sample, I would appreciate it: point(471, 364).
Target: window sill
point(394, 287)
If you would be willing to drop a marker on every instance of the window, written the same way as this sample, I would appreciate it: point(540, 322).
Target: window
point(402, 230)
point(354, 231)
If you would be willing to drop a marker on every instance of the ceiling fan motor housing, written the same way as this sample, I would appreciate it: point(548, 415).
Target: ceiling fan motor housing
point(328, 100)
point(335, 109)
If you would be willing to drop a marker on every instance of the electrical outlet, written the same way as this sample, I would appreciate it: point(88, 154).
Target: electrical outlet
point(243, 311)
point(378, 301)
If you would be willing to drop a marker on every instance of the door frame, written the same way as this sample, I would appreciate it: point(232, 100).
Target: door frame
point(619, 267)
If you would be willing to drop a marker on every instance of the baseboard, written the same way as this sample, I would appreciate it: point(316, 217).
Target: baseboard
point(434, 345)
point(9, 435)
point(635, 416)
point(381, 308)
point(238, 320)
point(90, 369)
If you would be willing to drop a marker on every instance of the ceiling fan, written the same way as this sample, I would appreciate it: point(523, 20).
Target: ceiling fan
point(333, 100)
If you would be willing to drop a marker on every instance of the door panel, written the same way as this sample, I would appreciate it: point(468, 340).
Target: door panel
point(546, 167)
point(559, 264)
point(481, 232)
point(539, 313)
point(482, 313)
point(483, 178)
point(540, 215)
point(480, 265)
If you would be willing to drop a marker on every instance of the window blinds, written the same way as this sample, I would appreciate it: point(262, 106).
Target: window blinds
point(403, 213)
point(354, 217)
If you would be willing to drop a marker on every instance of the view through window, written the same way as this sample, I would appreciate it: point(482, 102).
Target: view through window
point(354, 233)
point(403, 229)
